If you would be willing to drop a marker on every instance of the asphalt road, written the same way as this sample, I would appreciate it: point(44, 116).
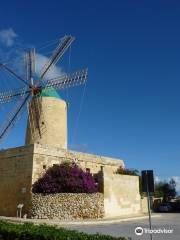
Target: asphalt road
point(170, 221)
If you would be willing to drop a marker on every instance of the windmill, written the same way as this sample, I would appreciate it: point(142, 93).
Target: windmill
point(34, 86)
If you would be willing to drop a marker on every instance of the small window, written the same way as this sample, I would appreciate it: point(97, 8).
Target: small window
point(44, 166)
point(88, 170)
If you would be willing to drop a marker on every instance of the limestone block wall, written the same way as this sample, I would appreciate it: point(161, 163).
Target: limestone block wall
point(44, 157)
point(15, 179)
point(21, 166)
point(121, 195)
point(67, 206)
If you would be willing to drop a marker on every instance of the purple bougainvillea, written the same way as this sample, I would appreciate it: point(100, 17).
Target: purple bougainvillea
point(65, 178)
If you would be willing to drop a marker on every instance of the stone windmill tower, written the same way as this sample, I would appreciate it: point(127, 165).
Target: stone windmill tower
point(48, 124)
point(47, 112)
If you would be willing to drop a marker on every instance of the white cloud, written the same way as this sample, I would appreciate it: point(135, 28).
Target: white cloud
point(157, 179)
point(7, 37)
point(41, 60)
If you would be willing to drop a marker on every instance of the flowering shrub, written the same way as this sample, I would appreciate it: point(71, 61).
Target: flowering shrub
point(65, 178)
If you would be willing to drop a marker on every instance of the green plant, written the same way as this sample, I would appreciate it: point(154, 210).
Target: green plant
point(27, 231)
point(126, 171)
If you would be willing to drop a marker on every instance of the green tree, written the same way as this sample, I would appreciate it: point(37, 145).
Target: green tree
point(159, 189)
point(166, 190)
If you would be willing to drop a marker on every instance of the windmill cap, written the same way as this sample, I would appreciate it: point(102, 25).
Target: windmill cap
point(50, 92)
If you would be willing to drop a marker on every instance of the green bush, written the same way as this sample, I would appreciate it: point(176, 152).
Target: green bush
point(166, 190)
point(27, 231)
point(126, 171)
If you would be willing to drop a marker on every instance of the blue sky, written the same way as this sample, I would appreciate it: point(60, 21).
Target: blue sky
point(131, 107)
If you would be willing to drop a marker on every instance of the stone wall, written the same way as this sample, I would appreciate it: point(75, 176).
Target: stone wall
point(121, 195)
point(44, 157)
point(66, 206)
point(20, 167)
point(15, 179)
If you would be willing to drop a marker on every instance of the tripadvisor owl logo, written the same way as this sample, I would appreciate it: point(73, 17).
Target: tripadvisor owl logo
point(139, 231)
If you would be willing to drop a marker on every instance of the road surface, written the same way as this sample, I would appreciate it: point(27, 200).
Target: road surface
point(167, 222)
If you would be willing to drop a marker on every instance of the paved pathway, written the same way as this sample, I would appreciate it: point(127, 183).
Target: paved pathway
point(127, 228)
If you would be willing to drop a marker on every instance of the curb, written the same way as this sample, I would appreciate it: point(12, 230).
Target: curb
point(66, 223)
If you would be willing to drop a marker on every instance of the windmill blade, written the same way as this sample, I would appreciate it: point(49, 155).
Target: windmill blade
point(58, 53)
point(26, 66)
point(12, 118)
point(32, 61)
point(30, 65)
point(9, 96)
point(68, 80)
point(14, 74)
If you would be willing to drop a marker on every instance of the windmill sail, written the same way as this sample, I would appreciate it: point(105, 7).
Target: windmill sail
point(29, 64)
point(33, 87)
point(13, 117)
point(58, 53)
point(11, 95)
point(68, 80)
point(3, 66)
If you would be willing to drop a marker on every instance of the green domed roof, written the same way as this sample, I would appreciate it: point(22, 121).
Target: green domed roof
point(49, 92)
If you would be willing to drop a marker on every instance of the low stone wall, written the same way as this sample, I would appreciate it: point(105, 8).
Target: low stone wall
point(144, 205)
point(121, 195)
point(66, 206)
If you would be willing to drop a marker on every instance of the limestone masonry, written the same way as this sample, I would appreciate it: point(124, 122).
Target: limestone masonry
point(51, 113)
point(20, 167)
point(67, 206)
